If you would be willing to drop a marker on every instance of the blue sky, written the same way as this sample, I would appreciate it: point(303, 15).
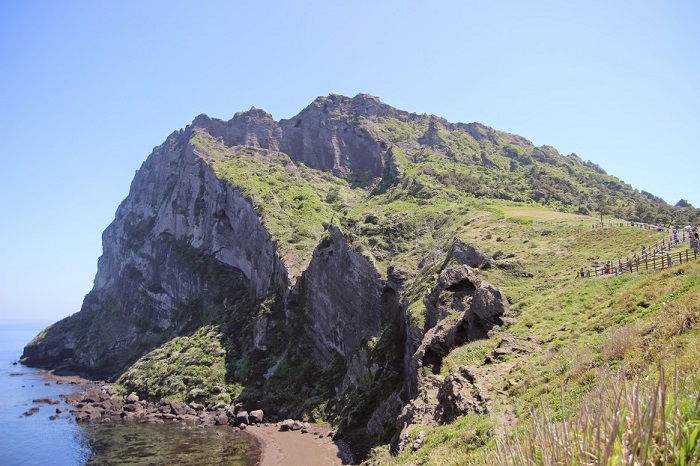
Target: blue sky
point(87, 89)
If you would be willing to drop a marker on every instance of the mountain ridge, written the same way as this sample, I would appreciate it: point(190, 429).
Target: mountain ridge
point(340, 258)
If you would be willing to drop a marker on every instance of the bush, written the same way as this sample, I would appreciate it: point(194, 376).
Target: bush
point(621, 342)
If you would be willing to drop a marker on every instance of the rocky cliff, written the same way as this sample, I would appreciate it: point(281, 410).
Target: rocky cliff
point(181, 244)
point(322, 254)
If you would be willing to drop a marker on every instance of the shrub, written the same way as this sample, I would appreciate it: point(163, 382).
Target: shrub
point(621, 342)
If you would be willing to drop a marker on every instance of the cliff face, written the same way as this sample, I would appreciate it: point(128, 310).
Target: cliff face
point(343, 300)
point(325, 135)
point(323, 251)
point(182, 242)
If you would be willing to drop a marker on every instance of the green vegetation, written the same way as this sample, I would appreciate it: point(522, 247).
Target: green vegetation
point(295, 202)
point(486, 163)
point(531, 209)
point(197, 360)
point(645, 422)
point(445, 444)
point(592, 335)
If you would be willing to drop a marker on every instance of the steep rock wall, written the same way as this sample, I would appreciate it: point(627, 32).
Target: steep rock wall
point(343, 300)
point(180, 244)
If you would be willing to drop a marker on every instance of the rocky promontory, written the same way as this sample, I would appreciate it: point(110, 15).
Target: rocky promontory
point(319, 268)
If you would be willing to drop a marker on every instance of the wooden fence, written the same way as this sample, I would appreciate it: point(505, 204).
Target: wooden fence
point(658, 256)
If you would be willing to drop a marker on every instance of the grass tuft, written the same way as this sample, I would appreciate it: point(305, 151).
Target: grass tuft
point(646, 422)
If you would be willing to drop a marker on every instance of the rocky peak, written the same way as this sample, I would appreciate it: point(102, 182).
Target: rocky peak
point(252, 128)
point(323, 136)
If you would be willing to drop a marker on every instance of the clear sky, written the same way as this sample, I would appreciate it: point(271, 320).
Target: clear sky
point(87, 89)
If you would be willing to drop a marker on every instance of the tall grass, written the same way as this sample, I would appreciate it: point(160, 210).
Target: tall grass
point(621, 423)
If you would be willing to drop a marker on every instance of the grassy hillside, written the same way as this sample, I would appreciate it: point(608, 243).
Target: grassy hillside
point(432, 154)
point(531, 209)
point(586, 332)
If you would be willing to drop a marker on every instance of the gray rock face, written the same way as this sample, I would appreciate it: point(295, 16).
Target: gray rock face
point(440, 400)
point(459, 290)
point(343, 297)
point(466, 254)
point(460, 308)
point(458, 396)
point(322, 137)
point(254, 128)
point(177, 220)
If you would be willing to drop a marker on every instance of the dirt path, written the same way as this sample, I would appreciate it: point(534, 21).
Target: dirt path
point(492, 379)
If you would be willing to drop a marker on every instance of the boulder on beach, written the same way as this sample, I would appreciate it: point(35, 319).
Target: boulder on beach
point(30, 411)
point(241, 418)
point(286, 425)
point(256, 417)
point(296, 425)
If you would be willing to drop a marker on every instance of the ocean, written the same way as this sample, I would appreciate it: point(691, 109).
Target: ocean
point(38, 440)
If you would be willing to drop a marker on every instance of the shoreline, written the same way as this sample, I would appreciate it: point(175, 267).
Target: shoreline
point(294, 448)
point(314, 445)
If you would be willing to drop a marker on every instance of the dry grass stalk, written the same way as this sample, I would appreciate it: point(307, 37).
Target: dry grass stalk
point(622, 423)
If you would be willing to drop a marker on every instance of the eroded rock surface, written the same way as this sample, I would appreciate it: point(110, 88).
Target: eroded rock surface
point(343, 300)
point(181, 241)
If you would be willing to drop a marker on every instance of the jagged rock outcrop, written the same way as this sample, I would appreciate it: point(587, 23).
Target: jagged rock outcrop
point(322, 136)
point(254, 128)
point(342, 295)
point(440, 400)
point(193, 245)
point(459, 290)
point(460, 308)
point(467, 254)
point(182, 241)
point(325, 135)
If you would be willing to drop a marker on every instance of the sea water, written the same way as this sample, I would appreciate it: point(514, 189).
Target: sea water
point(37, 440)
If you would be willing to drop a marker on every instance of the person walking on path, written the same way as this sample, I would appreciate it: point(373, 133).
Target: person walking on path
point(694, 240)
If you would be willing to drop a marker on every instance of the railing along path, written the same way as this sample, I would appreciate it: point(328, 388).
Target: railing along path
point(658, 256)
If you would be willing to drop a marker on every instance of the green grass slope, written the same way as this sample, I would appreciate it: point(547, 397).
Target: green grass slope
point(531, 209)
point(587, 333)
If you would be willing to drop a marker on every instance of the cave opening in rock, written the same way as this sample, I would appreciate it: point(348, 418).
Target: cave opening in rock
point(433, 360)
point(463, 287)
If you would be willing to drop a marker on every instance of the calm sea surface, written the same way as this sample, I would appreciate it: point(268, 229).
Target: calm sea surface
point(36, 440)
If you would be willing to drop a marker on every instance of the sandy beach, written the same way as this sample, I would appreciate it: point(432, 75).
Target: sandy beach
point(292, 448)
